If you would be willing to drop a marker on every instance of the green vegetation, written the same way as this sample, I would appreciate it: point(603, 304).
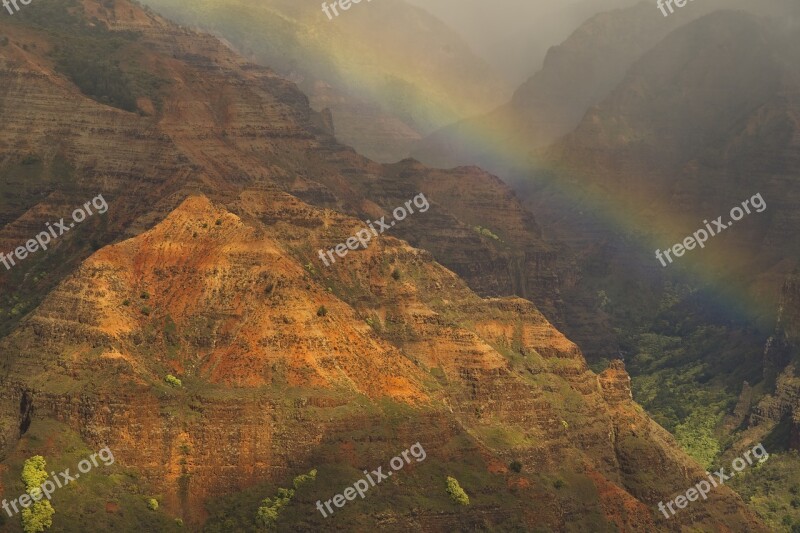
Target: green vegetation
point(34, 472)
point(302, 479)
point(687, 357)
point(31, 159)
point(602, 299)
point(270, 508)
point(503, 436)
point(268, 287)
point(772, 489)
point(21, 187)
point(109, 499)
point(515, 466)
point(486, 232)
point(688, 351)
point(267, 514)
point(396, 274)
point(455, 491)
point(39, 516)
point(152, 504)
point(412, 492)
point(322, 311)
point(682, 397)
point(172, 380)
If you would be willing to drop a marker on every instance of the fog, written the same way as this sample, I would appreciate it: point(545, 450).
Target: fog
point(514, 35)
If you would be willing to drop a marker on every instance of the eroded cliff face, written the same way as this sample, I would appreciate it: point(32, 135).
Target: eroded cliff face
point(781, 365)
point(220, 126)
point(271, 384)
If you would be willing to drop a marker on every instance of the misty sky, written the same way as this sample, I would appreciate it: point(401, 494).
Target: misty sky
point(513, 35)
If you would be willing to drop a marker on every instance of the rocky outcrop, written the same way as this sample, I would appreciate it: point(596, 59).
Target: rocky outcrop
point(784, 401)
point(615, 383)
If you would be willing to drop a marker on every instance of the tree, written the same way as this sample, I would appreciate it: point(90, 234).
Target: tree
point(302, 479)
point(268, 511)
point(455, 491)
point(38, 516)
point(34, 472)
point(172, 380)
point(267, 515)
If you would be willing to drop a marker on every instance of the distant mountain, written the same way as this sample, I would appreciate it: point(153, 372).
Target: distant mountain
point(578, 95)
point(514, 36)
point(388, 71)
point(576, 74)
point(703, 121)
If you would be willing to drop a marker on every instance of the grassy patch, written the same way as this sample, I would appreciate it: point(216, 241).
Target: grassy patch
point(108, 497)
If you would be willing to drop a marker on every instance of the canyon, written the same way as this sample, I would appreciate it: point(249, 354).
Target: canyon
point(222, 183)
